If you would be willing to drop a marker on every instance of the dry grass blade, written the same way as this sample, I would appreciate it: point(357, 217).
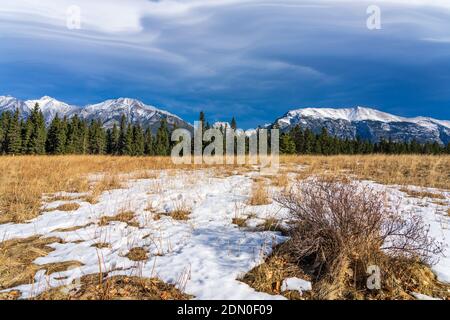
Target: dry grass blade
point(117, 288)
point(259, 194)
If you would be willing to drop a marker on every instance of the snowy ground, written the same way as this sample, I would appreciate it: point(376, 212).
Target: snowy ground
point(205, 255)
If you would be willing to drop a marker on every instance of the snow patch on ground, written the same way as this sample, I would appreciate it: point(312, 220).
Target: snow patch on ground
point(204, 255)
point(296, 284)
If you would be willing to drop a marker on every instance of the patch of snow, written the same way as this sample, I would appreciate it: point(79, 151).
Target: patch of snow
point(420, 296)
point(296, 284)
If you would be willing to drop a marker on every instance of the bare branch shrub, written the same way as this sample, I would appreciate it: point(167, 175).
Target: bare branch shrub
point(341, 227)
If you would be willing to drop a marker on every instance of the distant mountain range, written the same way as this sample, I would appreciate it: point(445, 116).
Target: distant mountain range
point(109, 111)
point(366, 123)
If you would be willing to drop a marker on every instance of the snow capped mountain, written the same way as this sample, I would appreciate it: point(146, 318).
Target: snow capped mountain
point(50, 107)
point(367, 123)
point(8, 103)
point(109, 112)
point(349, 114)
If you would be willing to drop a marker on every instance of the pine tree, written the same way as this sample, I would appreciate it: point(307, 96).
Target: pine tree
point(96, 138)
point(13, 139)
point(114, 147)
point(162, 143)
point(138, 141)
point(36, 143)
point(129, 147)
point(26, 129)
point(287, 144)
point(2, 132)
point(233, 124)
point(122, 144)
point(57, 136)
point(148, 143)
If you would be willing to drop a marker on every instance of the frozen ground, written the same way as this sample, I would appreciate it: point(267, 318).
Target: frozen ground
point(205, 255)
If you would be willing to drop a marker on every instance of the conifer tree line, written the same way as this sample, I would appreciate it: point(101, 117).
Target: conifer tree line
point(304, 141)
point(77, 136)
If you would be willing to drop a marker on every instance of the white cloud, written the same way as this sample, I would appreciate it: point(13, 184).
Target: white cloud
point(115, 16)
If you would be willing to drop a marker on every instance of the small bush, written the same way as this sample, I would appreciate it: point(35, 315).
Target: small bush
point(342, 227)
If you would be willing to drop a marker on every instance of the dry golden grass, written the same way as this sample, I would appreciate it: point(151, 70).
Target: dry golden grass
point(125, 216)
point(268, 277)
point(137, 254)
point(422, 194)
point(181, 211)
point(11, 295)
point(418, 170)
point(116, 288)
point(17, 256)
point(398, 283)
point(65, 207)
point(101, 245)
point(280, 181)
point(70, 229)
point(259, 194)
point(271, 224)
point(177, 214)
point(240, 222)
point(180, 214)
point(24, 179)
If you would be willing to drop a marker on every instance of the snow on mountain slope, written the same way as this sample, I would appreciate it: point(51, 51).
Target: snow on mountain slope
point(359, 114)
point(8, 103)
point(109, 112)
point(50, 107)
point(367, 123)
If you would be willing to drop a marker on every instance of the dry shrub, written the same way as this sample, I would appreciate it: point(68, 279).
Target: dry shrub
point(116, 288)
point(259, 194)
point(137, 254)
point(342, 227)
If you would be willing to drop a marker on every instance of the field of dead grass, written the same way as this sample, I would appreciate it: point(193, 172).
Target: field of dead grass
point(418, 170)
point(24, 179)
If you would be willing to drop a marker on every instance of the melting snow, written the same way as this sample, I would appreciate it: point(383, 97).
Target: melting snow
point(205, 255)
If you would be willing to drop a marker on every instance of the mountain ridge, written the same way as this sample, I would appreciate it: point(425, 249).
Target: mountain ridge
point(357, 122)
point(109, 111)
point(366, 123)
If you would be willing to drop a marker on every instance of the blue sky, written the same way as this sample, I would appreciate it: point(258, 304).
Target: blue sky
point(253, 59)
